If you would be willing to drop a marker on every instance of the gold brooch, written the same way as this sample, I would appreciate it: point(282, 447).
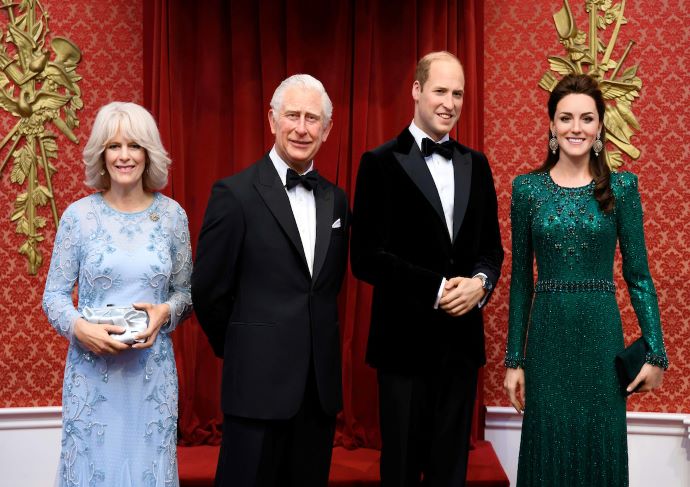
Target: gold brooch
point(154, 217)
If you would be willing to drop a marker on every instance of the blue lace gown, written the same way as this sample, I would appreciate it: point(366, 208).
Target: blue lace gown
point(119, 411)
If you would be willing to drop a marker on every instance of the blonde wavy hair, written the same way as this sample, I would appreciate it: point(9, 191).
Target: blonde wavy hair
point(136, 124)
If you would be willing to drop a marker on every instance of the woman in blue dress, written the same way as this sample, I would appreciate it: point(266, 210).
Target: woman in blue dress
point(125, 245)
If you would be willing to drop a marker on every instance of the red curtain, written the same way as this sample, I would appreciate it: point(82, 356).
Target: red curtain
point(210, 71)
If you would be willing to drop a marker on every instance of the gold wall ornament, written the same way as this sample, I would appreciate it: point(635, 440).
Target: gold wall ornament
point(38, 85)
point(594, 57)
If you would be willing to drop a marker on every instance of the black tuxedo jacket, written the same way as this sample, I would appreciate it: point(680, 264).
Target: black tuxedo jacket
point(261, 310)
point(401, 245)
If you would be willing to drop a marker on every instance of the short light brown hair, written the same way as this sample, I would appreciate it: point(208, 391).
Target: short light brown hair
point(136, 124)
point(421, 74)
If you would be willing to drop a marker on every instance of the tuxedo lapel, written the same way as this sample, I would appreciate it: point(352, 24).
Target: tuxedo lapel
point(323, 197)
point(414, 165)
point(462, 171)
point(273, 193)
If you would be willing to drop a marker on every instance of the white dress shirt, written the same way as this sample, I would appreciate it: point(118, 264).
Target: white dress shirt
point(443, 173)
point(303, 208)
point(444, 177)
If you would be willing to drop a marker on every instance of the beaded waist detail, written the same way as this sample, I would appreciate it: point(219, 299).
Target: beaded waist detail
point(557, 285)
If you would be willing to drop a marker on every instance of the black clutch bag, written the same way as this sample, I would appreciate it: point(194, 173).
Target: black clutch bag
point(629, 362)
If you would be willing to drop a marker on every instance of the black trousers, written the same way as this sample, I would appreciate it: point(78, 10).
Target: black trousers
point(278, 453)
point(426, 421)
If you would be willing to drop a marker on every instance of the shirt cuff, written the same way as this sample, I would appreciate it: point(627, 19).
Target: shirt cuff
point(440, 292)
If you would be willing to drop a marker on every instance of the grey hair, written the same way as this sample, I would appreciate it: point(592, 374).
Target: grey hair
point(302, 81)
point(136, 124)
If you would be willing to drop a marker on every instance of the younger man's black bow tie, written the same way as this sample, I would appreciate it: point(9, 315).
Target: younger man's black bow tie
point(444, 149)
point(308, 180)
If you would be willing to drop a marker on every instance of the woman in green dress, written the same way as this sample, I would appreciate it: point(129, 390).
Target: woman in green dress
point(565, 329)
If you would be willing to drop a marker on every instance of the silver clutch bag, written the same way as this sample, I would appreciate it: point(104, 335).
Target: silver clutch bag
point(132, 320)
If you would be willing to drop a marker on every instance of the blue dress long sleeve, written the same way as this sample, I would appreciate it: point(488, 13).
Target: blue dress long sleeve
point(119, 412)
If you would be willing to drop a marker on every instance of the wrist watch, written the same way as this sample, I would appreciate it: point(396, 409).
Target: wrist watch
point(486, 284)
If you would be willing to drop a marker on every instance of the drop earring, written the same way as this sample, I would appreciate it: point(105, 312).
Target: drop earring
point(598, 145)
point(553, 143)
point(102, 172)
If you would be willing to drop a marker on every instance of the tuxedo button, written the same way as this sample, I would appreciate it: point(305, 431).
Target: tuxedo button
point(452, 261)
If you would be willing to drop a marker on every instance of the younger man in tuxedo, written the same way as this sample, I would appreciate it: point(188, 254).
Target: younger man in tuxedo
point(270, 262)
point(425, 234)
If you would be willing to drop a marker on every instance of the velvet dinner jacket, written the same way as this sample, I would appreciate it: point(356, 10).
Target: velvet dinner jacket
point(401, 245)
point(255, 299)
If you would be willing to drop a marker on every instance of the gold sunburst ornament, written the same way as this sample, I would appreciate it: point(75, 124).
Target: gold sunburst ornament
point(38, 85)
point(620, 87)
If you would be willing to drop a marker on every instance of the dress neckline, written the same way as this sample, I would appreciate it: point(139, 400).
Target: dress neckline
point(574, 190)
point(154, 202)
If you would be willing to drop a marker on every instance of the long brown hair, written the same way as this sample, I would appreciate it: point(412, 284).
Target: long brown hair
point(586, 85)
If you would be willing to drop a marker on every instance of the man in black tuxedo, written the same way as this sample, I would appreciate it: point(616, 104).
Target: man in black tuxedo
point(270, 261)
point(425, 234)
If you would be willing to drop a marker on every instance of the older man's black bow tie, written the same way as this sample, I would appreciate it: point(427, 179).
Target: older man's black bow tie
point(308, 180)
point(444, 149)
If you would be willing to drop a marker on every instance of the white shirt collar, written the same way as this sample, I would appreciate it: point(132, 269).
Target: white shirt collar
point(281, 166)
point(419, 134)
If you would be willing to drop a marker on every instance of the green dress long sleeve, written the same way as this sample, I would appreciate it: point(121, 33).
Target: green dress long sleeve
point(565, 329)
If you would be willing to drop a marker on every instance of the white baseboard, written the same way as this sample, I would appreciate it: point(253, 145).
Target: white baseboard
point(29, 446)
point(658, 446)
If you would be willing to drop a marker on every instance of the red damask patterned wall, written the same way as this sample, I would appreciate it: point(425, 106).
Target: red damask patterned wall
point(109, 35)
point(518, 37)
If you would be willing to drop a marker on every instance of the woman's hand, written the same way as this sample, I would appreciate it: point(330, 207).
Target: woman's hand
point(159, 314)
point(96, 337)
point(650, 377)
point(514, 385)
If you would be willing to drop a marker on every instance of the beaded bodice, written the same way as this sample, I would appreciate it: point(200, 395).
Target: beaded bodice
point(574, 244)
point(572, 239)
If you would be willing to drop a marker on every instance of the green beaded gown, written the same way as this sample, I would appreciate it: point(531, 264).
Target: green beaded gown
point(566, 329)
